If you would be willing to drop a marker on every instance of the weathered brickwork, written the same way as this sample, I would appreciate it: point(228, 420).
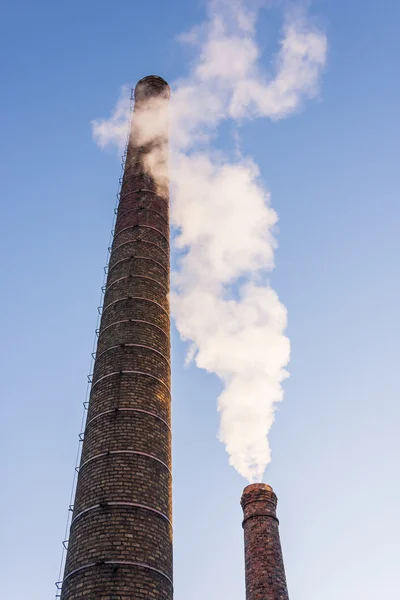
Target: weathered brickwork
point(120, 543)
point(265, 572)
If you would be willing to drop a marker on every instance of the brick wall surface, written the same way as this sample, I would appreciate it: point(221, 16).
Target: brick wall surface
point(120, 543)
point(265, 572)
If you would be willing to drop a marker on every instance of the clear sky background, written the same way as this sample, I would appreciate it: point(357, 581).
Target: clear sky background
point(333, 172)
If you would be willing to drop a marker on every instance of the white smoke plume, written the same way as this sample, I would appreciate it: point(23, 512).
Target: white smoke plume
point(221, 301)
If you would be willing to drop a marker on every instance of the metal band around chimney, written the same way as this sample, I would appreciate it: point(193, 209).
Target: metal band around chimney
point(135, 452)
point(135, 298)
point(140, 209)
point(118, 409)
point(143, 190)
point(156, 262)
point(133, 321)
point(128, 373)
point(115, 562)
point(128, 345)
point(151, 192)
point(127, 504)
point(260, 515)
point(117, 233)
point(138, 241)
point(137, 277)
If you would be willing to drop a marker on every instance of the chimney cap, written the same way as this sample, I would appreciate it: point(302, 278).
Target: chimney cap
point(152, 85)
point(256, 492)
point(257, 487)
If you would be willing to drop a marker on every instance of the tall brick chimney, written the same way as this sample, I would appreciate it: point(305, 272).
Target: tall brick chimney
point(120, 543)
point(265, 572)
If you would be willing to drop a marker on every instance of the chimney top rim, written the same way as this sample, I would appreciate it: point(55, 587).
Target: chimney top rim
point(256, 492)
point(257, 487)
point(152, 79)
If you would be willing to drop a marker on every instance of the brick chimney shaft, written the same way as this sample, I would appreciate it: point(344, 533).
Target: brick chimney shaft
point(264, 568)
point(120, 543)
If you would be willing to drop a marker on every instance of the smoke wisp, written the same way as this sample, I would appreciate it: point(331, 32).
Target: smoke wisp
point(221, 301)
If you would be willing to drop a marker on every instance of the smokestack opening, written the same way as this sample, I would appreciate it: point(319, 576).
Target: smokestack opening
point(151, 85)
point(256, 488)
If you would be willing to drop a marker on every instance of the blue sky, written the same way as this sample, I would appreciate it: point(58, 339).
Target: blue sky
point(332, 171)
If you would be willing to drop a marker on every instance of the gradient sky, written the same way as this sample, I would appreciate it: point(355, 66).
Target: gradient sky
point(333, 174)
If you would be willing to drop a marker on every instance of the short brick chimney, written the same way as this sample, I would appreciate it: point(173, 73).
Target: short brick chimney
point(265, 572)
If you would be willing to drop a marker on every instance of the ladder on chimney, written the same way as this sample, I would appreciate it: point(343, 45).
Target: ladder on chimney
point(89, 377)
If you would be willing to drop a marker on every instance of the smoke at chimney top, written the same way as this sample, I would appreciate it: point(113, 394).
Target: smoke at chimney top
point(222, 302)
